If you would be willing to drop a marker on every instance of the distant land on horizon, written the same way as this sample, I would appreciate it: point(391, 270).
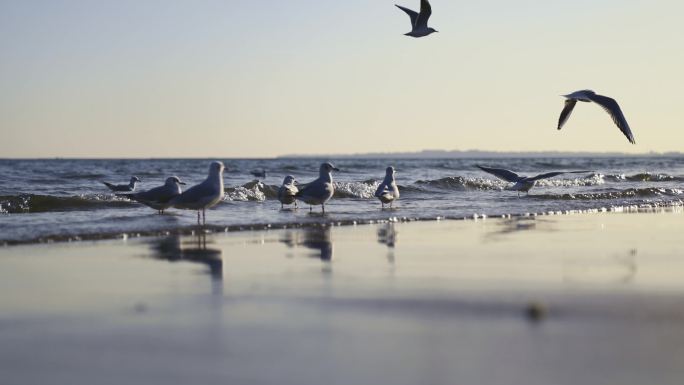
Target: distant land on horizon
point(439, 154)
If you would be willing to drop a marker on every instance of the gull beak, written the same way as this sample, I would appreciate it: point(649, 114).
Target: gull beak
point(336, 169)
point(183, 183)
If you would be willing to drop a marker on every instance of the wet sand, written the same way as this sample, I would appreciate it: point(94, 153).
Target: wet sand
point(572, 299)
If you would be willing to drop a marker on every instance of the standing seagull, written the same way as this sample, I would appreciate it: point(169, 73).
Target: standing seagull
point(608, 104)
point(321, 190)
point(388, 191)
point(419, 21)
point(522, 183)
point(130, 187)
point(158, 198)
point(287, 192)
point(204, 195)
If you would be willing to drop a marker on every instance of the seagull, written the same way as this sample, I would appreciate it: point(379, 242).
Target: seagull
point(522, 183)
point(388, 191)
point(130, 187)
point(608, 104)
point(287, 192)
point(204, 195)
point(158, 198)
point(419, 21)
point(321, 190)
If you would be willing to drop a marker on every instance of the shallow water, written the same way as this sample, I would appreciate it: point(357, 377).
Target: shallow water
point(43, 200)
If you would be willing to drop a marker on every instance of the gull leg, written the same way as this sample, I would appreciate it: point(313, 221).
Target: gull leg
point(204, 216)
point(198, 217)
point(310, 208)
point(323, 207)
point(281, 205)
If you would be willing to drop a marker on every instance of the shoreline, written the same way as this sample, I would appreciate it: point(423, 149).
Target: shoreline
point(671, 206)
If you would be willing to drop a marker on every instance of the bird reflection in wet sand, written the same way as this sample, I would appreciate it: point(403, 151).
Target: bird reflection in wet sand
point(387, 235)
point(315, 238)
point(518, 224)
point(176, 249)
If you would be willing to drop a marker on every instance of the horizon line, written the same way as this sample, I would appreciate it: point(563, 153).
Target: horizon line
point(426, 153)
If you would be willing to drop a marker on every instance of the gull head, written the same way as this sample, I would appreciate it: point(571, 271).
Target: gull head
point(389, 171)
point(173, 180)
point(135, 179)
point(216, 168)
point(289, 180)
point(328, 168)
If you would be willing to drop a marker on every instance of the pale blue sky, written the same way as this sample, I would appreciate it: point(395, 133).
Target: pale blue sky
point(264, 77)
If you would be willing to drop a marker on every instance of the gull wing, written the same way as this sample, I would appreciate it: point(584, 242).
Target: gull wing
point(612, 108)
point(425, 12)
point(567, 110)
point(555, 173)
point(507, 175)
point(308, 188)
point(412, 14)
point(382, 188)
point(161, 194)
point(194, 194)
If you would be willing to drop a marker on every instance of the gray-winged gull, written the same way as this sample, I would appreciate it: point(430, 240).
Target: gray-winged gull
point(204, 195)
point(608, 104)
point(320, 190)
point(387, 191)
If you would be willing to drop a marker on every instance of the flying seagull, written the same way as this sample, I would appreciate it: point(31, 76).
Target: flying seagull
point(522, 183)
point(204, 195)
point(419, 21)
point(158, 198)
point(287, 192)
point(320, 190)
point(387, 191)
point(608, 104)
point(130, 187)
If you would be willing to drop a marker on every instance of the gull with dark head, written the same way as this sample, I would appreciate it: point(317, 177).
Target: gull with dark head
point(158, 198)
point(608, 104)
point(320, 190)
point(387, 191)
point(130, 187)
point(288, 191)
point(523, 183)
point(204, 195)
point(419, 21)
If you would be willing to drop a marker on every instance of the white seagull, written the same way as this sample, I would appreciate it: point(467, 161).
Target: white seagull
point(321, 190)
point(388, 191)
point(522, 183)
point(287, 192)
point(419, 21)
point(204, 195)
point(130, 187)
point(158, 198)
point(608, 104)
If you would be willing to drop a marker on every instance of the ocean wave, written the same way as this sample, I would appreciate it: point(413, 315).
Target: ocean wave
point(650, 192)
point(462, 184)
point(643, 177)
point(363, 190)
point(251, 191)
point(35, 203)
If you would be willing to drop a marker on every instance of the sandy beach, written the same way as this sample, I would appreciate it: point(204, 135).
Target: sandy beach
point(569, 299)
